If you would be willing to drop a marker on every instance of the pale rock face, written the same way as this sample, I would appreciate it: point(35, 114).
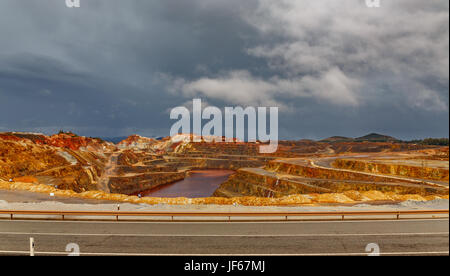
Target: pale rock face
point(69, 158)
point(186, 138)
point(136, 142)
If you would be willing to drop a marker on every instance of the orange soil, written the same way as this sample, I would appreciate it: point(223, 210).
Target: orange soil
point(26, 179)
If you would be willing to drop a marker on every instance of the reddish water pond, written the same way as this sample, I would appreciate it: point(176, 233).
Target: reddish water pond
point(201, 183)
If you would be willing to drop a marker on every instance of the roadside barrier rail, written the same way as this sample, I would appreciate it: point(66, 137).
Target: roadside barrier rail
point(227, 215)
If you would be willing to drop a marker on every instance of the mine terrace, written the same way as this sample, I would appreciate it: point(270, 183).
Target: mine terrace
point(332, 171)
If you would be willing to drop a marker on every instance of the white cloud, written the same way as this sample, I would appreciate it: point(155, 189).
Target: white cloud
point(428, 100)
point(407, 39)
point(241, 87)
point(333, 50)
point(236, 87)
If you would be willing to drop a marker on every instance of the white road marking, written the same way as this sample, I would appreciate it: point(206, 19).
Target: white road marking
point(228, 255)
point(225, 235)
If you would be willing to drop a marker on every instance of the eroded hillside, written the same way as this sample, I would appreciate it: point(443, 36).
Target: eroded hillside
point(64, 161)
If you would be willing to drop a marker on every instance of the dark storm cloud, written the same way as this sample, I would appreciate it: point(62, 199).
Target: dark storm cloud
point(114, 67)
point(95, 69)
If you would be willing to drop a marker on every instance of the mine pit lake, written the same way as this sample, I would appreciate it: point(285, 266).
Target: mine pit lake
point(200, 183)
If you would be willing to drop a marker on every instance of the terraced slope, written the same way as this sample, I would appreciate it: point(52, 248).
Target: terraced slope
point(69, 163)
point(285, 177)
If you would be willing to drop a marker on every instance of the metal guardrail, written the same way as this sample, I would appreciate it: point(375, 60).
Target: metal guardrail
point(172, 215)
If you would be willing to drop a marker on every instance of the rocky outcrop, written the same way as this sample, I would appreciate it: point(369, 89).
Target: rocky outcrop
point(280, 178)
point(138, 171)
point(136, 142)
point(143, 182)
point(214, 163)
point(350, 197)
point(392, 168)
point(65, 140)
point(262, 183)
point(305, 168)
point(21, 158)
point(63, 161)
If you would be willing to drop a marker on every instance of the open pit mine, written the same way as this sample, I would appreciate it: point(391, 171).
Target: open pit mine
point(304, 172)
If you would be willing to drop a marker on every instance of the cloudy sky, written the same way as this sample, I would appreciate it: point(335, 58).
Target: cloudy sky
point(114, 67)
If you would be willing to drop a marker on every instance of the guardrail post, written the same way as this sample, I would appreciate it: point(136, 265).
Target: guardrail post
point(398, 215)
point(343, 217)
point(31, 247)
point(12, 217)
point(62, 217)
point(286, 217)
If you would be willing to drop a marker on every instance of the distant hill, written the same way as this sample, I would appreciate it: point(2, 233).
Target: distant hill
point(117, 140)
point(337, 139)
point(375, 137)
point(114, 140)
point(431, 142)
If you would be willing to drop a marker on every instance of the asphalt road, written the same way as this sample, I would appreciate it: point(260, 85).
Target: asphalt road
point(404, 237)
